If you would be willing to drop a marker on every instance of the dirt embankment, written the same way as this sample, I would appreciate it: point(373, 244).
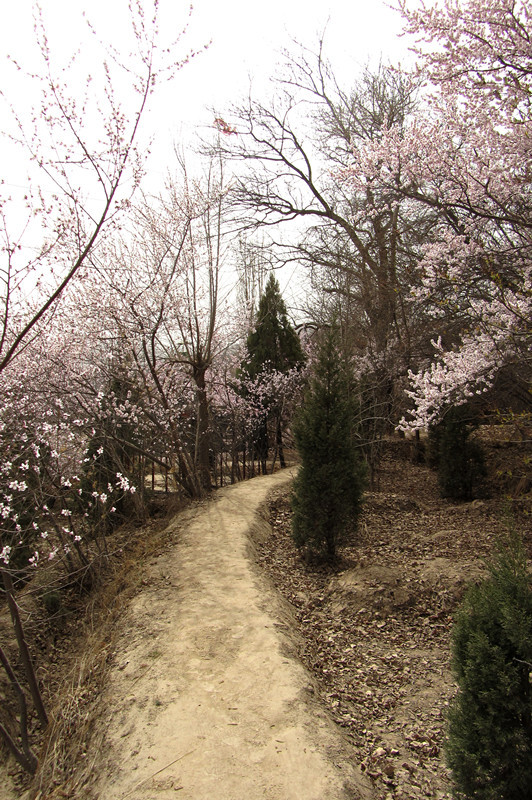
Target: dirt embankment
point(376, 628)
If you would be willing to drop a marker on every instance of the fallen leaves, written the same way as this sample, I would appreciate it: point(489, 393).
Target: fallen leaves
point(375, 630)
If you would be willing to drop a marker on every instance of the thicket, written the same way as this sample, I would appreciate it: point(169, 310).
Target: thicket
point(489, 748)
point(327, 495)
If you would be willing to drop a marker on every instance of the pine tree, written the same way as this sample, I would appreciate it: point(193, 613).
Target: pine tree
point(272, 346)
point(328, 489)
point(489, 747)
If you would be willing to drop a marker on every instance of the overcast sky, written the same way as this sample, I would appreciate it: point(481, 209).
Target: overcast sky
point(246, 43)
point(246, 39)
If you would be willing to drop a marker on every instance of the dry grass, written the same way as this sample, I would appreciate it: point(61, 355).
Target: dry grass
point(65, 771)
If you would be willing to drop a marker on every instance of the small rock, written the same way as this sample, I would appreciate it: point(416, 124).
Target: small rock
point(388, 769)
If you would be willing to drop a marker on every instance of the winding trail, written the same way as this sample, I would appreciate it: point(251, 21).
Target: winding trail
point(208, 701)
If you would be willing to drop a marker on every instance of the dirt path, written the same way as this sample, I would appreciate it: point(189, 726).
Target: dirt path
point(206, 700)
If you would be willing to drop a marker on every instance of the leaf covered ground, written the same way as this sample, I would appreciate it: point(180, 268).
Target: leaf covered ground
point(375, 629)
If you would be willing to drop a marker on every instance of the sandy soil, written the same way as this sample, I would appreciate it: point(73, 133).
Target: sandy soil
point(207, 698)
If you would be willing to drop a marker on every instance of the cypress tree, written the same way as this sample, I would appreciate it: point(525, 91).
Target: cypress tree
point(489, 748)
point(328, 489)
point(272, 346)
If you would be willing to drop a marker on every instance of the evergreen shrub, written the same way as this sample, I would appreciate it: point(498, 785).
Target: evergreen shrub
point(327, 495)
point(489, 747)
point(458, 460)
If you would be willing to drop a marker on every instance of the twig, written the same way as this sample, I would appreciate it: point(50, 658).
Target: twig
point(520, 661)
point(138, 785)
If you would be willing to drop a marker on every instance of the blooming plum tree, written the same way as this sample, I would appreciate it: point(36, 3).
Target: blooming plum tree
point(79, 143)
point(468, 158)
point(166, 311)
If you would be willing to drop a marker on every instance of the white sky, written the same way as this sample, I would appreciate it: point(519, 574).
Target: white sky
point(246, 37)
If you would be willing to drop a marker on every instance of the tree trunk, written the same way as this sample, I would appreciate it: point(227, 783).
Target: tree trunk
point(202, 430)
point(23, 648)
point(280, 448)
point(24, 754)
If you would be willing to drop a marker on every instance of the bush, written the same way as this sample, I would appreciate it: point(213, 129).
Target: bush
point(458, 460)
point(328, 489)
point(52, 601)
point(489, 748)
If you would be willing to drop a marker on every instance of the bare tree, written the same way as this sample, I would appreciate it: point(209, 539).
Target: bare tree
point(165, 281)
point(307, 154)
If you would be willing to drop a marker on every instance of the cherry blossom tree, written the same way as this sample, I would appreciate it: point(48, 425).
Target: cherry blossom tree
point(468, 158)
point(82, 159)
point(79, 143)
